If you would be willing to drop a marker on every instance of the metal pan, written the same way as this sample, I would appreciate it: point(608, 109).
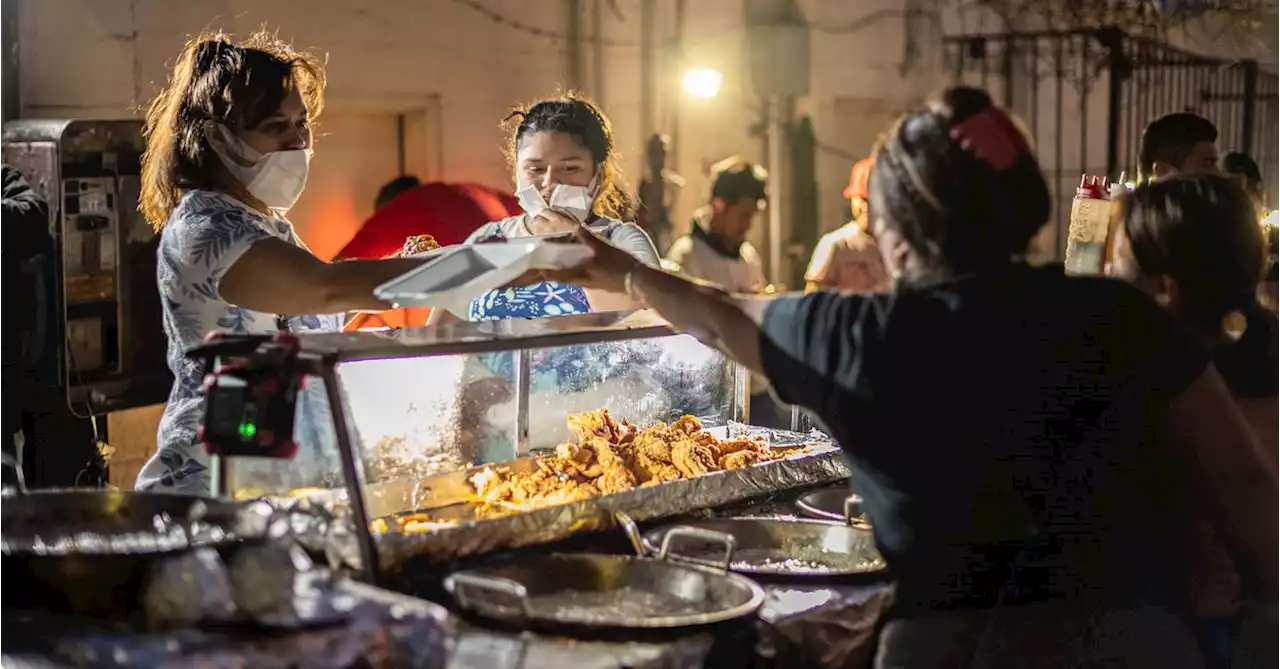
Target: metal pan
point(772, 547)
point(833, 504)
point(112, 522)
point(87, 551)
point(588, 592)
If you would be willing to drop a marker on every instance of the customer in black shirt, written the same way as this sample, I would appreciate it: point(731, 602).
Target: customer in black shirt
point(1001, 420)
point(1194, 242)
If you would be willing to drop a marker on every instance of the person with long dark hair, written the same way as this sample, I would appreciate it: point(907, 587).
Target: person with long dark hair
point(228, 150)
point(1194, 243)
point(1021, 438)
point(564, 140)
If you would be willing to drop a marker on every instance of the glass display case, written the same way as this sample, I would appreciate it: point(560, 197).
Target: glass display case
point(402, 420)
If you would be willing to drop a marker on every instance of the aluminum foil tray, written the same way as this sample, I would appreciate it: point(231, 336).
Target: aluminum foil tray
point(474, 537)
point(384, 630)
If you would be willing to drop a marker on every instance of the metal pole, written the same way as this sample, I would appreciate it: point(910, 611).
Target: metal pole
point(677, 100)
point(1249, 115)
point(523, 367)
point(741, 391)
point(1115, 92)
point(777, 187)
point(352, 475)
point(648, 102)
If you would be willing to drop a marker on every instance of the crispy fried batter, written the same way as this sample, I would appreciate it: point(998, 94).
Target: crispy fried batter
point(693, 458)
point(594, 424)
point(610, 457)
point(739, 459)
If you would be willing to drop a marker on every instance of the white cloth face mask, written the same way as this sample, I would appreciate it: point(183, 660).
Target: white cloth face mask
point(577, 201)
point(276, 179)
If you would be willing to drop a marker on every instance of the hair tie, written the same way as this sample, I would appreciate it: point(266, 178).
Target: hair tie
point(992, 137)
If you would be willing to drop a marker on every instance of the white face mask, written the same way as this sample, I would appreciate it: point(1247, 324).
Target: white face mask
point(577, 201)
point(276, 179)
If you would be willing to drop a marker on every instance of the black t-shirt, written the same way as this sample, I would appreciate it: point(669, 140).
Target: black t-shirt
point(1248, 365)
point(1001, 418)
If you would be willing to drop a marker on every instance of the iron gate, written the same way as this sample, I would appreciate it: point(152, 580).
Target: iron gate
point(1086, 96)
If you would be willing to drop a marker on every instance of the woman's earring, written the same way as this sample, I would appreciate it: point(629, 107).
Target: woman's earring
point(895, 277)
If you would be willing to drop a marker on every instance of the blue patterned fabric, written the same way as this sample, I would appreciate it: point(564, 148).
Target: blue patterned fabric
point(537, 301)
point(206, 233)
point(564, 370)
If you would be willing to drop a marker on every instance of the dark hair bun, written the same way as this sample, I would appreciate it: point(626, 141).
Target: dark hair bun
point(956, 205)
point(963, 101)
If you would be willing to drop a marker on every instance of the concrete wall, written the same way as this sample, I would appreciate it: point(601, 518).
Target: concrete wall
point(457, 71)
point(454, 72)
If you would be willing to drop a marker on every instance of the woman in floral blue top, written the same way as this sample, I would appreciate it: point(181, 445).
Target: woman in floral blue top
point(228, 147)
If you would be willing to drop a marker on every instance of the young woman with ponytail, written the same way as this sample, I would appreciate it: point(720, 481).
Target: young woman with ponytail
point(228, 149)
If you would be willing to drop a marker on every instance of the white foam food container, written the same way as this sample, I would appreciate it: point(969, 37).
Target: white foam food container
point(454, 276)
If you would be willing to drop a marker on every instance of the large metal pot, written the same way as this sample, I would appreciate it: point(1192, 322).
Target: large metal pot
point(112, 522)
point(771, 547)
point(88, 550)
point(593, 593)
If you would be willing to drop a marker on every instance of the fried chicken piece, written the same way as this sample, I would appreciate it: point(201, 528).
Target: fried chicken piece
point(693, 458)
point(614, 474)
point(629, 432)
point(418, 244)
point(486, 481)
point(730, 446)
point(739, 459)
point(653, 443)
point(687, 425)
point(652, 472)
point(594, 424)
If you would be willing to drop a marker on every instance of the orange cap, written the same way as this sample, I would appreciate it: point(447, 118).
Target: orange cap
point(859, 176)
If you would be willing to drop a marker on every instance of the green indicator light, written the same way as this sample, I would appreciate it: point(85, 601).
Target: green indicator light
point(247, 430)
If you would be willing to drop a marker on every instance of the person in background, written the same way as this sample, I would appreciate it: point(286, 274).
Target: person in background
point(847, 258)
point(716, 248)
point(1244, 170)
point(1179, 142)
point(1192, 241)
point(26, 257)
point(561, 140)
point(1026, 523)
point(228, 150)
point(392, 189)
point(449, 212)
point(657, 193)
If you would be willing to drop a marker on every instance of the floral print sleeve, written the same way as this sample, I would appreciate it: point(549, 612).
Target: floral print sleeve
point(204, 236)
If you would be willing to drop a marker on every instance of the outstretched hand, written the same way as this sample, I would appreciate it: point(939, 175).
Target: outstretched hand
point(606, 269)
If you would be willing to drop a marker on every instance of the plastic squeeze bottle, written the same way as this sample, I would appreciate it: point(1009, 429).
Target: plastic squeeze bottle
point(1087, 233)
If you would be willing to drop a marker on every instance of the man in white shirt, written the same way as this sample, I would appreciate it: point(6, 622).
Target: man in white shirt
point(716, 249)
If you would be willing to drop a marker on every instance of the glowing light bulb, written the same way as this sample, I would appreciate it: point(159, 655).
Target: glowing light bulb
point(702, 82)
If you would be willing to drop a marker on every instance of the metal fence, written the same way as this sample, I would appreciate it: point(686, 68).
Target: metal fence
point(1086, 96)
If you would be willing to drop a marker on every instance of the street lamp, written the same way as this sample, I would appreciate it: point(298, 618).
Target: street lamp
point(702, 82)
